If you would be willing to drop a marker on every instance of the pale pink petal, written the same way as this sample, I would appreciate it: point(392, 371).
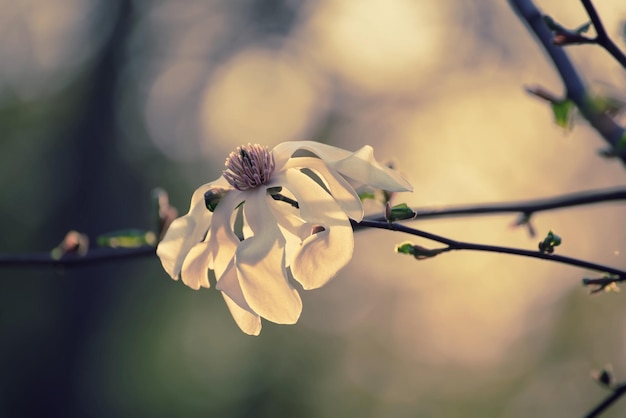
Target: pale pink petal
point(244, 316)
point(341, 190)
point(260, 262)
point(222, 239)
point(196, 266)
point(283, 151)
point(322, 256)
point(294, 229)
point(228, 283)
point(248, 322)
point(324, 253)
point(184, 233)
point(360, 166)
point(363, 167)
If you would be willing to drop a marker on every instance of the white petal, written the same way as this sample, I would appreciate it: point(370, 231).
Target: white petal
point(196, 266)
point(260, 262)
point(228, 283)
point(222, 239)
point(282, 152)
point(244, 316)
point(184, 233)
point(341, 190)
point(360, 166)
point(363, 167)
point(322, 254)
point(294, 229)
point(248, 322)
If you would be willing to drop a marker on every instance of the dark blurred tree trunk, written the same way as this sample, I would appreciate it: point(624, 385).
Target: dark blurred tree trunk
point(102, 198)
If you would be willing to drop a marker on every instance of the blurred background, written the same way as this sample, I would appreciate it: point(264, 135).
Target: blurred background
point(103, 100)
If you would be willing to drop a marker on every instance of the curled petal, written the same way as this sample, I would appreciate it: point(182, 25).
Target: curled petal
point(324, 252)
point(184, 233)
point(294, 229)
point(195, 268)
point(222, 239)
point(248, 320)
point(229, 285)
point(360, 166)
point(282, 152)
point(249, 323)
point(322, 255)
point(341, 190)
point(363, 167)
point(260, 263)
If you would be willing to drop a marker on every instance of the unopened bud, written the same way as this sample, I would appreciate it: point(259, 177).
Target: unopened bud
point(213, 197)
point(74, 242)
point(165, 214)
point(398, 212)
point(604, 377)
point(419, 252)
point(549, 242)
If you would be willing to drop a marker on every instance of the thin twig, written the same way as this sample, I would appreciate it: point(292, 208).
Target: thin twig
point(93, 256)
point(602, 38)
point(617, 393)
point(527, 208)
point(460, 245)
point(576, 91)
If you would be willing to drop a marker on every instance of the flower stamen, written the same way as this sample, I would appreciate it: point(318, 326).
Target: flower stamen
point(249, 166)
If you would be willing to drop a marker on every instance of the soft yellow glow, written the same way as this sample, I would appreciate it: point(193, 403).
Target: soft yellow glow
point(376, 44)
point(172, 131)
point(262, 95)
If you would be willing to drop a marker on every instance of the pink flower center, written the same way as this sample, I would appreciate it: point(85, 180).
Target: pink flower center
point(249, 166)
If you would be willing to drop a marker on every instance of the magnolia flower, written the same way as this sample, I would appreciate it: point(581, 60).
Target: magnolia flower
point(273, 215)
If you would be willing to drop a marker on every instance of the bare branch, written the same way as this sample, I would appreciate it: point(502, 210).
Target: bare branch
point(527, 208)
point(617, 393)
point(93, 256)
point(460, 245)
point(602, 37)
point(576, 91)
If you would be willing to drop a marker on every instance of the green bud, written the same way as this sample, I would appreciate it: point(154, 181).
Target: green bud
point(417, 251)
point(563, 112)
point(405, 248)
point(399, 212)
point(549, 242)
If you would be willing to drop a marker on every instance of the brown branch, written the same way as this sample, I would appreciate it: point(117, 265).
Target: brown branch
point(576, 91)
point(452, 245)
point(93, 256)
point(526, 208)
point(602, 38)
point(617, 393)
